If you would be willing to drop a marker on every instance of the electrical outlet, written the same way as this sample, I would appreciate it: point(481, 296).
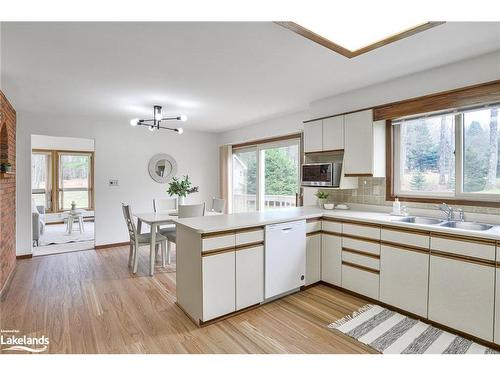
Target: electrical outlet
point(113, 182)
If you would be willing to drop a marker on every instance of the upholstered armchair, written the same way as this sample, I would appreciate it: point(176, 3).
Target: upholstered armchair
point(37, 213)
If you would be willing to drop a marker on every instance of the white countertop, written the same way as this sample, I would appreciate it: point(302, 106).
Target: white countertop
point(209, 224)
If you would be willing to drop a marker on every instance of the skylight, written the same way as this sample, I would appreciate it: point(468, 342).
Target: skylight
point(353, 37)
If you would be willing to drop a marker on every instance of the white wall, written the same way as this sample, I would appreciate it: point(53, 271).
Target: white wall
point(121, 152)
point(284, 125)
point(61, 143)
point(464, 73)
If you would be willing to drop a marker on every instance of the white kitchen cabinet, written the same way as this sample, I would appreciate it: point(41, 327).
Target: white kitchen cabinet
point(461, 295)
point(313, 258)
point(333, 133)
point(361, 281)
point(313, 136)
point(364, 145)
point(404, 278)
point(219, 285)
point(249, 276)
point(331, 258)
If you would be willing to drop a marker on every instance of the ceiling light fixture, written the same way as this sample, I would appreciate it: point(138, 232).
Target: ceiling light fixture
point(155, 123)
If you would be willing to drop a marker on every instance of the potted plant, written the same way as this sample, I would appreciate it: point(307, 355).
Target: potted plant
point(5, 167)
point(181, 188)
point(322, 197)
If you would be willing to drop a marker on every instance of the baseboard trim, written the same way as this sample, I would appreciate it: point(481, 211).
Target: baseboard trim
point(110, 245)
point(8, 281)
point(414, 316)
point(25, 256)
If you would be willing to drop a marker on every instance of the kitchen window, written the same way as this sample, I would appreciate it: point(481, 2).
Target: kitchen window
point(452, 155)
point(266, 175)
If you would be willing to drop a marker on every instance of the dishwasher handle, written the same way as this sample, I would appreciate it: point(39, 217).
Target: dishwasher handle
point(286, 230)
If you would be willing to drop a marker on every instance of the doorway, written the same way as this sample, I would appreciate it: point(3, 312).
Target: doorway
point(62, 194)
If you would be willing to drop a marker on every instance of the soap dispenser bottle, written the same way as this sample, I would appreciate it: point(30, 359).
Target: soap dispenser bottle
point(396, 207)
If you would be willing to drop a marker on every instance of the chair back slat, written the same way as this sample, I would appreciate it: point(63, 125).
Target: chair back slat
point(127, 214)
point(168, 204)
point(191, 210)
point(218, 205)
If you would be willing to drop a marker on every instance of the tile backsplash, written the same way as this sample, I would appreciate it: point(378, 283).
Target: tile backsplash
point(371, 190)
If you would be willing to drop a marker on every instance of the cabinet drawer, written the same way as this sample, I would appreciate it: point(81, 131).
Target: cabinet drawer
point(360, 245)
point(211, 243)
point(357, 230)
point(219, 285)
point(464, 247)
point(331, 226)
point(252, 235)
point(313, 226)
point(361, 260)
point(360, 281)
point(405, 238)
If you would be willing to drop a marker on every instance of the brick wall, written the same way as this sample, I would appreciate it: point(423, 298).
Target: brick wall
point(7, 190)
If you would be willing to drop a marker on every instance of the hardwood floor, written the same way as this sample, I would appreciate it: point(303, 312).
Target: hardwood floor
point(89, 302)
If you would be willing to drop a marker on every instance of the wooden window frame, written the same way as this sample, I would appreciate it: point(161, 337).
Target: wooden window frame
point(54, 176)
point(459, 197)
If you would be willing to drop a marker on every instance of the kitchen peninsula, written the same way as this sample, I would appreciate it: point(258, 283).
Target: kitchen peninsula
point(392, 260)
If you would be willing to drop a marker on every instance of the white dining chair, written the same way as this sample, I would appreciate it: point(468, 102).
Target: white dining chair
point(165, 204)
point(218, 205)
point(185, 211)
point(140, 239)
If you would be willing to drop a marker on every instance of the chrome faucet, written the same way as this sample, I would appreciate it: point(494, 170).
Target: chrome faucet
point(447, 210)
point(461, 214)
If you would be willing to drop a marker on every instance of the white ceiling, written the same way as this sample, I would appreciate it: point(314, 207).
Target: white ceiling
point(222, 75)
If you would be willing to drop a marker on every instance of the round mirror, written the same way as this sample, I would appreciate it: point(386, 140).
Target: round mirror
point(162, 167)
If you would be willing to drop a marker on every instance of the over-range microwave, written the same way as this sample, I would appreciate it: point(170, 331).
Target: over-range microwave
point(321, 174)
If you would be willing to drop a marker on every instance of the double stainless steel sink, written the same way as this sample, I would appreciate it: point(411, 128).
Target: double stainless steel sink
point(466, 225)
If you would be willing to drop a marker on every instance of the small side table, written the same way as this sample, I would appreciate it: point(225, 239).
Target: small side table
point(75, 216)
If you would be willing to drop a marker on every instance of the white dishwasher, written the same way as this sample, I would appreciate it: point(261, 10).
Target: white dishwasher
point(285, 257)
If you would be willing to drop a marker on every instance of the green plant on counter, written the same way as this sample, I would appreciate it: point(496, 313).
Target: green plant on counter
point(322, 195)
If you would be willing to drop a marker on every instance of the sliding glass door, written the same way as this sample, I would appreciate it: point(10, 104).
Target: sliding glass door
point(266, 176)
point(245, 180)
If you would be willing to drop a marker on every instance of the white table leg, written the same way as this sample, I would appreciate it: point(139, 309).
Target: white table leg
point(152, 249)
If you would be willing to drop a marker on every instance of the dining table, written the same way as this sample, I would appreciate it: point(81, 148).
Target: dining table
point(155, 220)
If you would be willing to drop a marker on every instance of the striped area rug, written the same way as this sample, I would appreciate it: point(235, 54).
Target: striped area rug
point(391, 333)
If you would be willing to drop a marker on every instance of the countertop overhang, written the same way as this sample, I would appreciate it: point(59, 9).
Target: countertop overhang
point(221, 223)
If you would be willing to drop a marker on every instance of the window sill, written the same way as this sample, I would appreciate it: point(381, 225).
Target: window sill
point(460, 202)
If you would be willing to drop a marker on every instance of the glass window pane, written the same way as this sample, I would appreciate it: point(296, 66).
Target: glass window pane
point(80, 197)
point(245, 180)
point(427, 155)
point(40, 199)
point(40, 179)
point(281, 174)
point(481, 149)
point(74, 180)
